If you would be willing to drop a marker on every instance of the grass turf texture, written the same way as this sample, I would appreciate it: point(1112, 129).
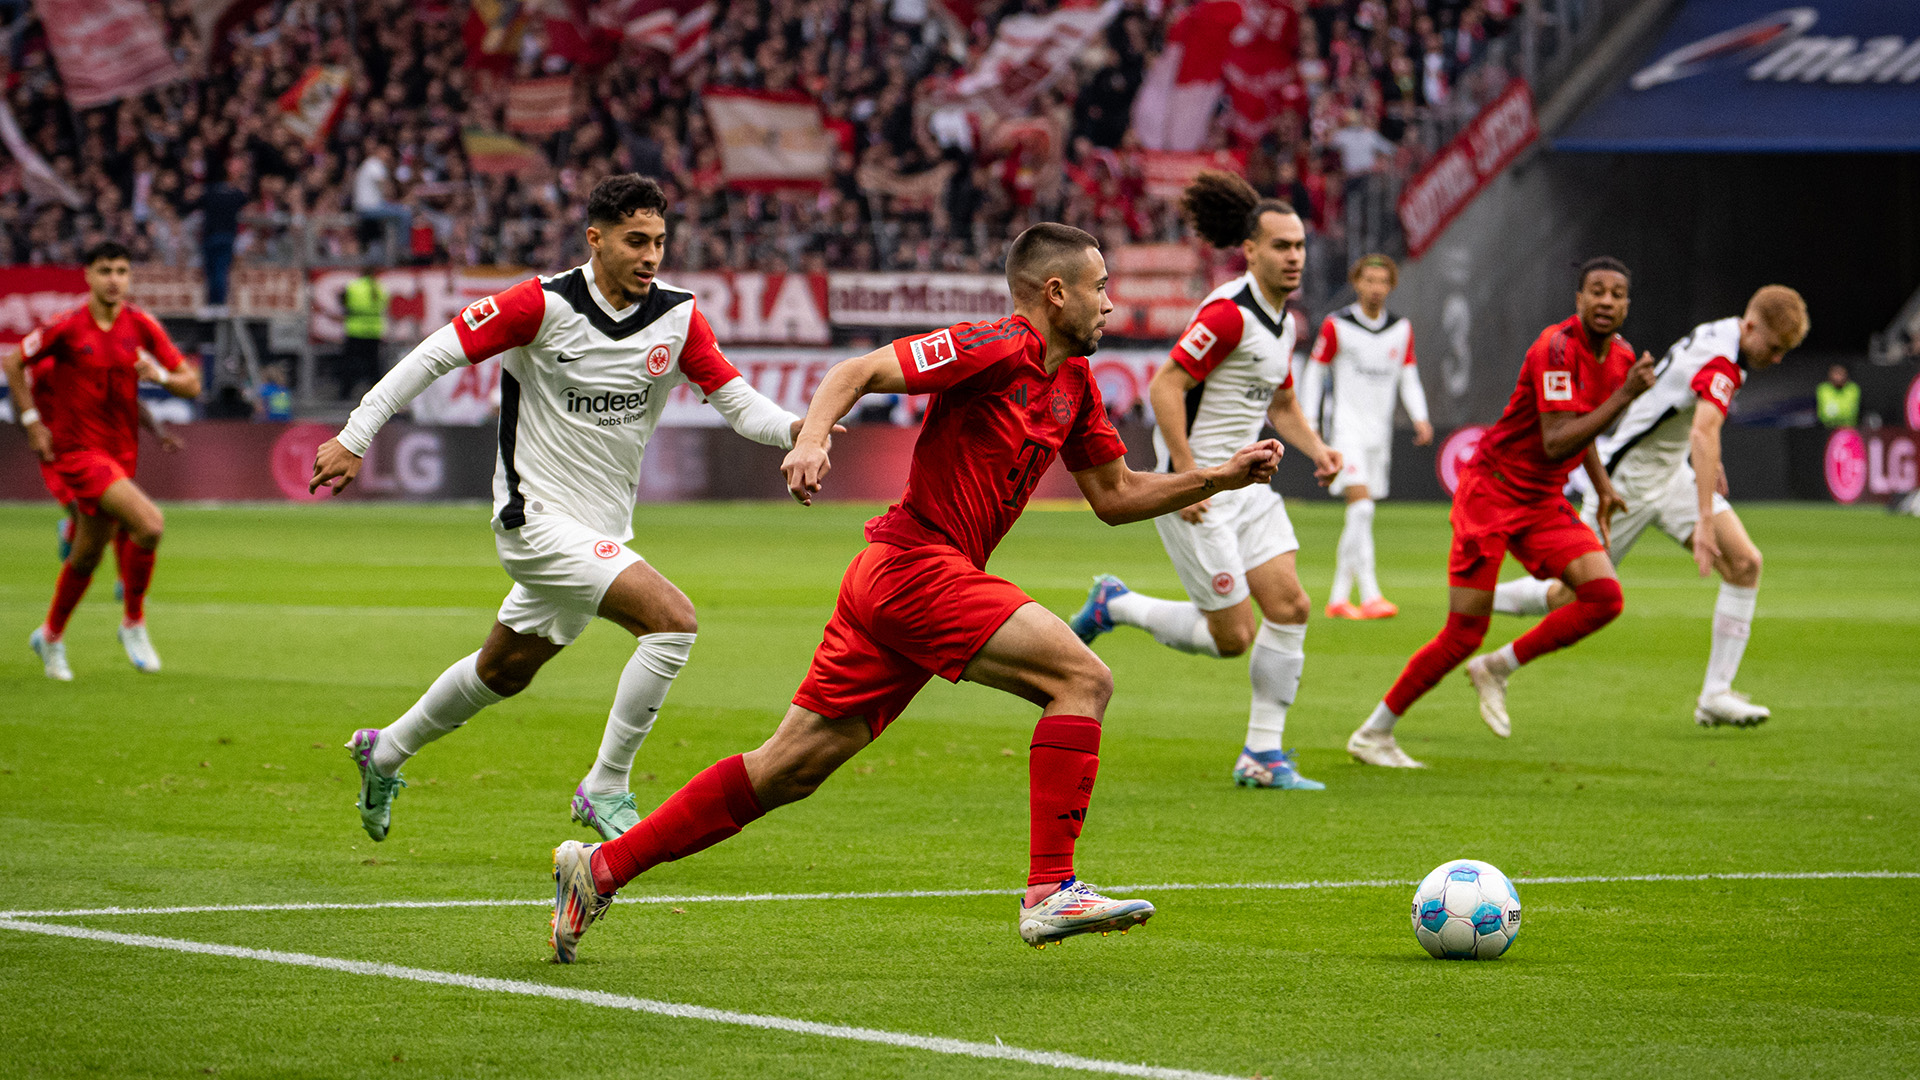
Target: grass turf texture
point(222, 781)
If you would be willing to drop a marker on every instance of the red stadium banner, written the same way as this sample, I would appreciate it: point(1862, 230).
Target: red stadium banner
point(769, 139)
point(540, 106)
point(1465, 166)
point(106, 49)
point(756, 308)
point(1167, 172)
point(916, 300)
point(31, 295)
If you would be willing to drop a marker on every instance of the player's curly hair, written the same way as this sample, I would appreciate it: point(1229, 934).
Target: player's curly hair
point(1224, 209)
point(617, 196)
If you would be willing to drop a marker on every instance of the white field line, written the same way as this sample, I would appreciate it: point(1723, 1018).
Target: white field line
point(918, 894)
point(932, 1044)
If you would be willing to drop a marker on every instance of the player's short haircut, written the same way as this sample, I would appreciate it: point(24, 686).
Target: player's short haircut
point(1782, 312)
point(1224, 209)
point(1367, 262)
point(622, 194)
point(1604, 262)
point(1047, 250)
point(105, 249)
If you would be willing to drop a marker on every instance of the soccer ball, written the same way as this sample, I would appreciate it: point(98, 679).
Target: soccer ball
point(1466, 910)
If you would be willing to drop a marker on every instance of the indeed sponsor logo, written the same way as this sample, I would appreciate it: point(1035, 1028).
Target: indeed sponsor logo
point(1787, 53)
point(608, 402)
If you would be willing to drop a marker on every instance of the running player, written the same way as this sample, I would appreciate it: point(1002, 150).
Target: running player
point(588, 360)
point(87, 434)
point(1362, 360)
point(1648, 458)
point(1578, 377)
point(1230, 372)
point(1007, 397)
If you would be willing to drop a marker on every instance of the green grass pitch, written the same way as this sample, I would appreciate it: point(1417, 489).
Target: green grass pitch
point(223, 781)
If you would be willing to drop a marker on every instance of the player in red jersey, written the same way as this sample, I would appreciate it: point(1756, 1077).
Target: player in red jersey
point(83, 419)
point(1008, 396)
point(1577, 379)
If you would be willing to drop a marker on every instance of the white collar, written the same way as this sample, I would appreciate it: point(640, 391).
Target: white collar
point(1360, 317)
point(1278, 315)
point(593, 290)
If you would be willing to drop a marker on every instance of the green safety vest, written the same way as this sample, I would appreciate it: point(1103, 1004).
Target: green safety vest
point(366, 304)
point(1839, 406)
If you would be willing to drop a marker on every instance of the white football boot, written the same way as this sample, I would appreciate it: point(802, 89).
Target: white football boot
point(1370, 747)
point(1729, 707)
point(139, 648)
point(1491, 685)
point(1077, 909)
point(577, 905)
point(52, 654)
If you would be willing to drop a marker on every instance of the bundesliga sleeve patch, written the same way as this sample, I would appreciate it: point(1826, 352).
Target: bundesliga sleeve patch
point(1199, 338)
point(1556, 386)
point(30, 344)
point(1720, 389)
point(480, 312)
point(934, 350)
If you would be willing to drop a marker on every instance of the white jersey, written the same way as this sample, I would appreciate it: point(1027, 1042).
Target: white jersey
point(582, 387)
point(1240, 349)
point(1358, 368)
point(1651, 441)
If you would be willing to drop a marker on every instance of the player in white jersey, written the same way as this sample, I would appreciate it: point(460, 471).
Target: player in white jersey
point(588, 359)
point(1664, 458)
point(1229, 373)
point(1362, 362)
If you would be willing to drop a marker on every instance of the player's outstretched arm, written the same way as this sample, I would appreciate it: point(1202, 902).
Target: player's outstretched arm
point(1565, 433)
point(338, 460)
point(1119, 495)
point(15, 364)
point(1287, 418)
point(1705, 437)
point(878, 372)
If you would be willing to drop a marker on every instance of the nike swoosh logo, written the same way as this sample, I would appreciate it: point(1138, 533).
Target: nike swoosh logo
point(565, 359)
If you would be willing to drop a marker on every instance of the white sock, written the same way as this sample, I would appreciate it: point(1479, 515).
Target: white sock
point(1521, 596)
point(1503, 660)
point(451, 701)
point(649, 674)
point(1382, 719)
point(1177, 624)
point(1278, 655)
point(1732, 622)
point(1360, 524)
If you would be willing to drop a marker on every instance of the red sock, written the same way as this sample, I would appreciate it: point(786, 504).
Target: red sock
point(136, 573)
point(66, 596)
point(714, 805)
point(1061, 766)
point(1455, 642)
point(120, 542)
point(1595, 604)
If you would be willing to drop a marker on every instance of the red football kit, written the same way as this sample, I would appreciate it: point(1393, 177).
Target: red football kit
point(1510, 497)
point(918, 601)
point(88, 394)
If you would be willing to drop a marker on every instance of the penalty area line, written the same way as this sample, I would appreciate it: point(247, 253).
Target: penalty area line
point(924, 894)
point(600, 999)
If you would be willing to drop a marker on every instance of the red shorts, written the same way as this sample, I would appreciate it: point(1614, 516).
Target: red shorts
point(1545, 535)
point(86, 475)
point(56, 487)
point(904, 616)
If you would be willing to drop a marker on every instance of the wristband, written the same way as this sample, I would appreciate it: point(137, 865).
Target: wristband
point(30, 418)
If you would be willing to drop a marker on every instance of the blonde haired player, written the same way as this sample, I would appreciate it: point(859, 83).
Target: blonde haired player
point(1664, 459)
point(1229, 373)
point(1362, 362)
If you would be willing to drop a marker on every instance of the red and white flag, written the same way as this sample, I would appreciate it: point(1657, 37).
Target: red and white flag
point(675, 27)
point(1174, 108)
point(36, 176)
point(769, 139)
point(1030, 52)
point(1259, 68)
point(105, 49)
point(310, 106)
point(540, 106)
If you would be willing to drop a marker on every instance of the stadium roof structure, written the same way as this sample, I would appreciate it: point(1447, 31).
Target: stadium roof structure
point(1746, 76)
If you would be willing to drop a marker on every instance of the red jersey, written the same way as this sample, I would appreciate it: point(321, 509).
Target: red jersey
point(84, 382)
point(1560, 375)
point(996, 422)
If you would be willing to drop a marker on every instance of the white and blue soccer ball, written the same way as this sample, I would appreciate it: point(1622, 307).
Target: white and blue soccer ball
point(1466, 910)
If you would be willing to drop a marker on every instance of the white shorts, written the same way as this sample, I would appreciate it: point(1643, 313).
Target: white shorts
point(1674, 509)
point(1363, 463)
point(560, 569)
point(1241, 530)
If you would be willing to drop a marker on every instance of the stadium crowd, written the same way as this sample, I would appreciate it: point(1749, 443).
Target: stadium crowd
point(202, 171)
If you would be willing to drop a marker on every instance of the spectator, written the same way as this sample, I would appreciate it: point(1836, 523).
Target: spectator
point(364, 302)
point(220, 207)
point(1361, 146)
point(381, 219)
point(1838, 399)
point(276, 402)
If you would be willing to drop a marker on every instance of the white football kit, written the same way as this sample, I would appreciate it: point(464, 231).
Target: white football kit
point(1358, 368)
point(1647, 454)
point(1240, 349)
point(582, 387)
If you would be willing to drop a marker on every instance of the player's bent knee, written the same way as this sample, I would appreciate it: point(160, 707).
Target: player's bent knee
point(505, 677)
point(1604, 596)
point(1091, 680)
